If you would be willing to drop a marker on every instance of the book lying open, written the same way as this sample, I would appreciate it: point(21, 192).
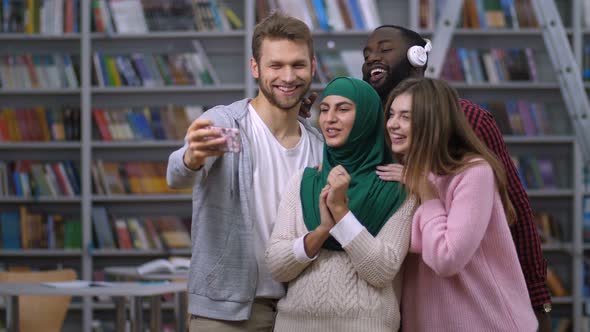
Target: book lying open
point(172, 265)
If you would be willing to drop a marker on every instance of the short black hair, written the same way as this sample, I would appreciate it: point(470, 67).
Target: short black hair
point(411, 37)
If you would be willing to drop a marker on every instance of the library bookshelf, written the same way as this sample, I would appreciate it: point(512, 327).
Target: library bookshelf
point(227, 49)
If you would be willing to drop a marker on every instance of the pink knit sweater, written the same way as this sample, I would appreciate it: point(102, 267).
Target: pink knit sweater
point(463, 272)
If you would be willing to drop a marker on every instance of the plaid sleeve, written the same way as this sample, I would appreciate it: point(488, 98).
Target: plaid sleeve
point(524, 231)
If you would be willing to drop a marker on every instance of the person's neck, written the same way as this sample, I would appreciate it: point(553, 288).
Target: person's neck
point(283, 124)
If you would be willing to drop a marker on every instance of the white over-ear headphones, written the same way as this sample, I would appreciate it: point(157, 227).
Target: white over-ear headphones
point(418, 55)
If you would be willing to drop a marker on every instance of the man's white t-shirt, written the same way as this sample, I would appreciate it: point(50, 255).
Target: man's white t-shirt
point(273, 166)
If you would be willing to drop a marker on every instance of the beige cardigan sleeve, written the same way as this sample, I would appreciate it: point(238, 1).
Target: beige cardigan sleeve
point(378, 259)
point(289, 226)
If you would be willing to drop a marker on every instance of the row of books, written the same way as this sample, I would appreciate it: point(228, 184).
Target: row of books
point(25, 229)
point(27, 178)
point(142, 16)
point(549, 228)
point(26, 71)
point(540, 172)
point(525, 117)
point(40, 123)
point(490, 65)
point(150, 70)
point(140, 233)
point(144, 123)
point(49, 17)
point(481, 14)
point(134, 177)
point(326, 15)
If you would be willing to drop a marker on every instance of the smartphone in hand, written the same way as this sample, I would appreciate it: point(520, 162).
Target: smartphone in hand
point(232, 135)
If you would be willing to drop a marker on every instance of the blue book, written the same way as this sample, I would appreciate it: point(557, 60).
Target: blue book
point(50, 228)
point(72, 175)
point(320, 11)
point(356, 14)
point(18, 190)
point(144, 125)
point(131, 120)
point(157, 126)
point(102, 228)
point(76, 15)
point(587, 63)
point(10, 229)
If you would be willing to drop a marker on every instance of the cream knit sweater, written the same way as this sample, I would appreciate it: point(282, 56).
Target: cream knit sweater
point(350, 290)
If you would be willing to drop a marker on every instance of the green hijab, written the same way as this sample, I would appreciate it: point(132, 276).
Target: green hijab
point(372, 200)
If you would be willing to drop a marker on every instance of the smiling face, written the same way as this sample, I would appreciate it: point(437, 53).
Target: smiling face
point(336, 119)
point(399, 124)
point(284, 72)
point(386, 62)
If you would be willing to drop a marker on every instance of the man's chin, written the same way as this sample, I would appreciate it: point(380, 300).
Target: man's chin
point(379, 85)
point(382, 89)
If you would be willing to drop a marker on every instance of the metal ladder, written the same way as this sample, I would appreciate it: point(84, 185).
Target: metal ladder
point(560, 52)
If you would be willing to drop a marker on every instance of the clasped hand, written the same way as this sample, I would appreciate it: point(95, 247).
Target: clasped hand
point(333, 199)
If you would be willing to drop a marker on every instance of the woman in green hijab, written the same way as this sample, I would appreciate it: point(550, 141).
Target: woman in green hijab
point(342, 233)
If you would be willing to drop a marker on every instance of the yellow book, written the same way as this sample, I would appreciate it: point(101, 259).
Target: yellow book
point(40, 112)
point(13, 131)
point(112, 70)
point(233, 18)
point(29, 21)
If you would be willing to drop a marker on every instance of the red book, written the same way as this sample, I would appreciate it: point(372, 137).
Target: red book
point(102, 124)
point(123, 237)
point(69, 16)
point(62, 179)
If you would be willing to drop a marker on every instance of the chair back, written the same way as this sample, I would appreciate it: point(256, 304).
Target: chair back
point(41, 313)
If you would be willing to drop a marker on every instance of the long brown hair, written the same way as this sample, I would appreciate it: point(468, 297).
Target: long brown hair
point(442, 140)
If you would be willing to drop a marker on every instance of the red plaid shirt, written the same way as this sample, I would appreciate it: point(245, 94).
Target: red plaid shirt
point(524, 231)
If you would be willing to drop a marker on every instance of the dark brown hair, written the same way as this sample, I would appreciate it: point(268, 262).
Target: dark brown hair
point(280, 26)
point(442, 140)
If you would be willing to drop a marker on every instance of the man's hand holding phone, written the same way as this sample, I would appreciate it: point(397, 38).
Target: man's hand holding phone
point(205, 141)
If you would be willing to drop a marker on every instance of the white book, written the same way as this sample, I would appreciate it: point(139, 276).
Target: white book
point(172, 265)
point(370, 14)
point(58, 17)
point(68, 186)
point(52, 181)
point(61, 70)
point(69, 70)
point(128, 16)
point(335, 19)
point(193, 112)
point(297, 9)
point(490, 68)
point(76, 284)
point(204, 60)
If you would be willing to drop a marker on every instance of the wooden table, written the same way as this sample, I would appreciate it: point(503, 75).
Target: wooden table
point(136, 291)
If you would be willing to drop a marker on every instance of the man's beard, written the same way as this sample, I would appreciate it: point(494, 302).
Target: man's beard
point(394, 77)
point(287, 104)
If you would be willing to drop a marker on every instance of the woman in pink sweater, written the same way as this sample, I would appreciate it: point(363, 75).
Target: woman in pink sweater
point(462, 272)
